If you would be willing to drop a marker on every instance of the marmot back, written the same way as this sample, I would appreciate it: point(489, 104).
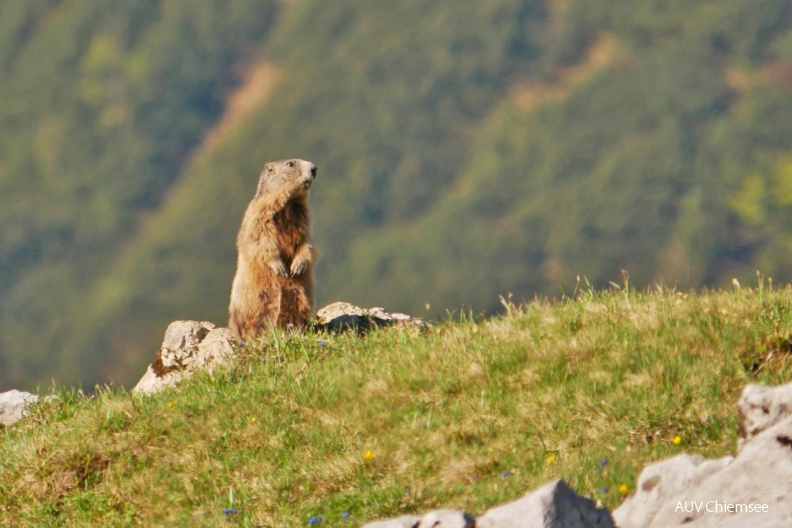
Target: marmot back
point(274, 278)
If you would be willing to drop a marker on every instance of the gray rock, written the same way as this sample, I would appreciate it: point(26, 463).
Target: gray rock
point(660, 483)
point(406, 521)
point(343, 315)
point(446, 519)
point(761, 474)
point(188, 346)
point(554, 505)
point(13, 404)
point(752, 489)
point(761, 407)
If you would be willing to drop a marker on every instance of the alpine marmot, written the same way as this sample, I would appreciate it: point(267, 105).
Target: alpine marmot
point(273, 284)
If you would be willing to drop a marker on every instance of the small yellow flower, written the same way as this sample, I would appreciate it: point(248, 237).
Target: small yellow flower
point(171, 403)
point(735, 282)
point(550, 459)
point(253, 420)
point(368, 455)
point(623, 489)
point(677, 440)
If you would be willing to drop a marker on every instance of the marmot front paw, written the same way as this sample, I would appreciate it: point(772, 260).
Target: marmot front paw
point(298, 267)
point(279, 268)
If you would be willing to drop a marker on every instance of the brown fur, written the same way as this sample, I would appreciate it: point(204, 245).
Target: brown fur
point(274, 278)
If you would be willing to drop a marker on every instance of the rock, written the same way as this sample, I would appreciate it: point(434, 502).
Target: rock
point(660, 483)
point(756, 485)
point(343, 315)
point(446, 519)
point(13, 404)
point(406, 521)
point(752, 489)
point(437, 518)
point(340, 315)
point(554, 505)
point(188, 346)
point(762, 407)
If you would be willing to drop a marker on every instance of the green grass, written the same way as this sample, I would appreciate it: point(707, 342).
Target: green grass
point(468, 415)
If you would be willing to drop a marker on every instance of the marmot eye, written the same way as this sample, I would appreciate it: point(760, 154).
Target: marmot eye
point(290, 164)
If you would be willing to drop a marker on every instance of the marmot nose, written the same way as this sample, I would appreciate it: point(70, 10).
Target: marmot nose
point(313, 171)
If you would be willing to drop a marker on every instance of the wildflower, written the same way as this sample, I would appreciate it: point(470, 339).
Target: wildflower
point(345, 515)
point(171, 403)
point(229, 511)
point(550, 459)
point(603, 462)
point(623, 489)
point(368, 455)
point(677, 440)
point(314, 520)
point(253, 420)
point(735, 283)
point(506, 474)
point(322, 343)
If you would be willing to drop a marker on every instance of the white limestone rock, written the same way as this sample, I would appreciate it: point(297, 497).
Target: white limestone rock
point(406, 521)
point(446, 519)
point(433, 519)
point(554, 505)
point(342, 315)
point(659, 484)
point(761, 407)
point(188, 346)
point(13, 405)
point(757, 483)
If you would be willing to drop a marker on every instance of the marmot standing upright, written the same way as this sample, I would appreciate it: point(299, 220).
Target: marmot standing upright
point(274, 278)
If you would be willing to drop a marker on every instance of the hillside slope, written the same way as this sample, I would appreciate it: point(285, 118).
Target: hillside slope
point(468, 415)
point(464, 151)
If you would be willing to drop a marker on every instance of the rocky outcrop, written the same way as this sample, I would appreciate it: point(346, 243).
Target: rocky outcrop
point(660, 483)
point(13, 405)
point(554, 505)
point(343, 315)
point(762, 407)
point(188, 346)
point(406, 521)
point(752, 489)
point(438, 518)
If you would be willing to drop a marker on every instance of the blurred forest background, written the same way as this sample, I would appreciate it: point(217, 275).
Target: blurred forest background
point(466, 149)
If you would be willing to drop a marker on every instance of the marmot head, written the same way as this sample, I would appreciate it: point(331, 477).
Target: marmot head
point(290, 177)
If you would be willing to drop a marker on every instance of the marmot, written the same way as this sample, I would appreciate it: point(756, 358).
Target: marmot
point(274, 278)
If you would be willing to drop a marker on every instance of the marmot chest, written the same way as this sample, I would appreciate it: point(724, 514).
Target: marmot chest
point(290, 228)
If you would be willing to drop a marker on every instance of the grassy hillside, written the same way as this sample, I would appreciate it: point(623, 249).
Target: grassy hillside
point(468, 415)
point(465, 150)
